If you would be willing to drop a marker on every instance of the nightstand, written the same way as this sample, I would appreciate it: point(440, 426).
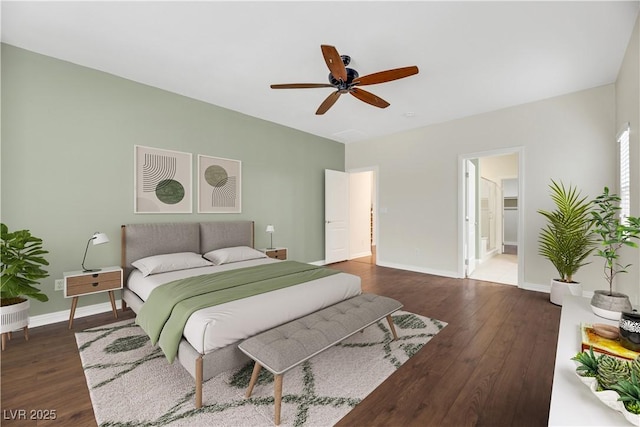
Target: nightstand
point(79, 283)
point(277, 253)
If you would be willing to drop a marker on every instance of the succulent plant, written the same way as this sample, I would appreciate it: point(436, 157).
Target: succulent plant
point(588, 363)
point(629, 391)
point(611, 371)
point(614, 374)
point(635, 367)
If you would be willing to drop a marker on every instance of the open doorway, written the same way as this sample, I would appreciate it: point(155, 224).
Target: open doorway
point(490, 224)
point(350, 215)
point(363, 215)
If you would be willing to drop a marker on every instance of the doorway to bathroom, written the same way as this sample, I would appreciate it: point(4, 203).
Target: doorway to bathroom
point(492, 200)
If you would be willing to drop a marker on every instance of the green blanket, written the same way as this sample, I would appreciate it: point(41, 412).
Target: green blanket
point(166, 311)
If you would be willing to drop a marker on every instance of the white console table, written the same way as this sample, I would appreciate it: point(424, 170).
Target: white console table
point(572, 403)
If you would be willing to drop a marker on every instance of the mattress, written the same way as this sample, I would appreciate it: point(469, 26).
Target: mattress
point(218, 326)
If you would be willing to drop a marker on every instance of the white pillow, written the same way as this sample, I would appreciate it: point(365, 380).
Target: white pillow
point(235, 254)
point(169, 262)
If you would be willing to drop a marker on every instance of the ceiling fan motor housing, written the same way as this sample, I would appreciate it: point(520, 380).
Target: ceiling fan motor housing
point(351, 76)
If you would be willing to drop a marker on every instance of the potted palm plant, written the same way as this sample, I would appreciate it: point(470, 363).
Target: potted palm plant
point(21, 269)
point(613, 233)
point(567, 239)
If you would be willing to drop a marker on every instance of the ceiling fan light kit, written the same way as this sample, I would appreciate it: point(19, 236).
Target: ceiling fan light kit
point(347, 80)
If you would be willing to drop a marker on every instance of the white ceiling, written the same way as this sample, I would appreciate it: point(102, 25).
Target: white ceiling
point(473, 57)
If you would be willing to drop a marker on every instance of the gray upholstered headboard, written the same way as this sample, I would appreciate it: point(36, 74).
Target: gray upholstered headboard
point(143, 240)
point(225, 234)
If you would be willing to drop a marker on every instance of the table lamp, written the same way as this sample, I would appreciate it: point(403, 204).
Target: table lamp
point(271, 229)
point(97, 239)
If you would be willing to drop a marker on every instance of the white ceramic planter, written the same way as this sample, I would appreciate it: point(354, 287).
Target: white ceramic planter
point(606, 314)
point(14, 317)
point(609, 306)
point(560, 289)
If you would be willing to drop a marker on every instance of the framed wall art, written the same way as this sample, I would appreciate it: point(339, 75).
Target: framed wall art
point(219, 186)
point(162, 181)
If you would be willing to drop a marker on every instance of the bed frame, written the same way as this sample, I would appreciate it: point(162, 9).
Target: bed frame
point(143, 240)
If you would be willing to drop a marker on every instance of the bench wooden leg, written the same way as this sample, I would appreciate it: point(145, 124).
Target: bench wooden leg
point(254, 378)
point(392, 327)
point(277, 392)
point(277, 396)
point(199, 382)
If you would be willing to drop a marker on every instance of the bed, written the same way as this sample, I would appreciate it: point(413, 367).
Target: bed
point(208, 343)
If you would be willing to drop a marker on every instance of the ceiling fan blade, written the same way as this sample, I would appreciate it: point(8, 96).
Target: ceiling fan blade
point(334, 62)
point(369, 98)
point(386, 76)
point(328, 102)
point(300, 85)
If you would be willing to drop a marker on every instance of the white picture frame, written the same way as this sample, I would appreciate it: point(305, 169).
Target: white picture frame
point(162, 181)
point(219, 185)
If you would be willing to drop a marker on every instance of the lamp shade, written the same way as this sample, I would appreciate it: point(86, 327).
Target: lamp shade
point(100, 238)
point(270, 228)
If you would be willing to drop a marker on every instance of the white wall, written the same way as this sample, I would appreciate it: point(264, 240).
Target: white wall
point(628, 111)
point(566, 138)
point(496, 168)
point(360, 190)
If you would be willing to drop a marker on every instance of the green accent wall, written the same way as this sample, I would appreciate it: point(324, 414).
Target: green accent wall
point(68, 136)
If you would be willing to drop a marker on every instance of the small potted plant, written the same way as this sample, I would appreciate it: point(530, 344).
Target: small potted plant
point(22, 263)
point(567, 240)
point(614, 233)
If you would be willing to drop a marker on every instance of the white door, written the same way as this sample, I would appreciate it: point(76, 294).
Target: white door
point(470, 217)
point(336, 216)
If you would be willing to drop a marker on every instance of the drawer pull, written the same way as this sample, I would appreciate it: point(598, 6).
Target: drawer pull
point(94, 284)
point(94, 275)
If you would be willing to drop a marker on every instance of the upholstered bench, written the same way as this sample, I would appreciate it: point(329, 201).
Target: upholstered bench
point(286, 346)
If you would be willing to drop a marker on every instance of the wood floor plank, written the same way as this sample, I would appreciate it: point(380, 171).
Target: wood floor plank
point(472, 399)
point(491, 366)
point(429, 389)
point(547, 337)
point(472, 338)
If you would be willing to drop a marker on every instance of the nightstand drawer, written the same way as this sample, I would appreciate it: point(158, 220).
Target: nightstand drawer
point(277, 253)
point(96, 282)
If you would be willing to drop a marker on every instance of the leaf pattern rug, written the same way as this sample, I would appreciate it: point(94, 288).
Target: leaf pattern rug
point(132, 384)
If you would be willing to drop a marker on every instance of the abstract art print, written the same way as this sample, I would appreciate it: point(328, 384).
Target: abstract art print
point(162, 181)
point(218, 185)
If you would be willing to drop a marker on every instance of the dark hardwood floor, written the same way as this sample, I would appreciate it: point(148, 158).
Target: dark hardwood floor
point(491, 366)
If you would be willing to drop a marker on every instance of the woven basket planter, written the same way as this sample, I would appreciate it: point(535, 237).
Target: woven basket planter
point(14, 317)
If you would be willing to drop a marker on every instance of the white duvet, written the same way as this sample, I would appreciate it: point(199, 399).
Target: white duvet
point(216, 327)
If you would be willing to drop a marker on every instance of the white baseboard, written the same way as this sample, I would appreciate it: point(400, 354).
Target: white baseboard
point(536, 287)
point(324, 262)
point(360, 254)
point(63, 316)
point(444, 273)
point(493, 252)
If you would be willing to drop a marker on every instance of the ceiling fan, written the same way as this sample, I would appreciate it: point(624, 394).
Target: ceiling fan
point(347, 80)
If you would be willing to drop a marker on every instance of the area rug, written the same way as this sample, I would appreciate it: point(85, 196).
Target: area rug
point(132, 384)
